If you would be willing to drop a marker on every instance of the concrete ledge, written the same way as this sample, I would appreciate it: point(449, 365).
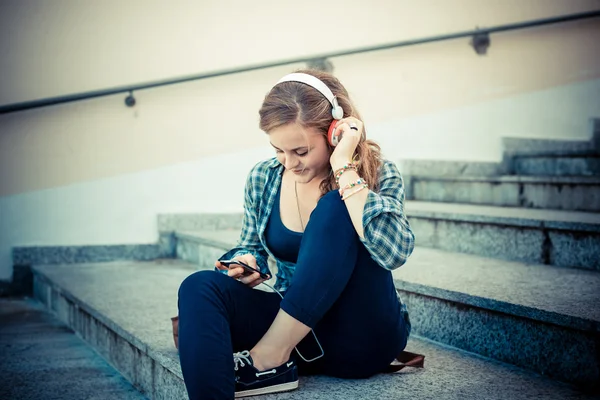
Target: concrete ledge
point(486, 305)
point(557, 166)
point(564, 193)
point(555, 237)
point(563, 238)
point(521, 217)
point(118, 335)
point(514, 146)
point(540, 180)
point(192, 222)
point(109, 305)
point(441, 168)
point(547, 294)
point(80, 254)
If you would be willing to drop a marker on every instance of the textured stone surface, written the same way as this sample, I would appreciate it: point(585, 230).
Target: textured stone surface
point(489, 240)
point(191, 222)
point(448, 374)
point(81, 254)
point(531, 146)
point(447, 168)
point(556, 219)
point(552, 295)
point(563, 193)
point(564, 238)
point(569, 249)
point(561, 166)
point(40, 358)
point(517, 341)
point(187, 250)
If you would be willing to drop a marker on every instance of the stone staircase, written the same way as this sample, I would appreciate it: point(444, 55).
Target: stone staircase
point(503, 287)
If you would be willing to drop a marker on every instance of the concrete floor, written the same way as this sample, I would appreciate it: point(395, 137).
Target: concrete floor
point(40, 358)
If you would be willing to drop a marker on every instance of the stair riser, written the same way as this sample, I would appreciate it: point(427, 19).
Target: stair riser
point(190, 251)
point(547, 196)
point(556, 166)
point(508, 242)
point(514, 340)
point(118, 348)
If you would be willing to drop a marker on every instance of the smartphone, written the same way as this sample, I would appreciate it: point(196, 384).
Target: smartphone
point(248, 269)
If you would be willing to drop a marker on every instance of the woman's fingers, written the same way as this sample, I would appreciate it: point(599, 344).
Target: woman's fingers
point(250, 279)
point(256, 282)
point(220, 266)
point(236, 272)
point(344, 126)
point(240, 273)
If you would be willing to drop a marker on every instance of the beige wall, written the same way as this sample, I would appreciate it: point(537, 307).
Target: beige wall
point(93, 139)
point(70, 46)
point(57, 47)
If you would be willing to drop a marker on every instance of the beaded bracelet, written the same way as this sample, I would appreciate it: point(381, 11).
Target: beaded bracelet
point(364, 186)
point(339, 172)
point(360, 181)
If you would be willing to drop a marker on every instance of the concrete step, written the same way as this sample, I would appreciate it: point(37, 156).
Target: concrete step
point(521, 146)
point(529, 315)
point(555, 237)
point(583, 165)
point(546, 192)
point(123, 310)
point(41, 358)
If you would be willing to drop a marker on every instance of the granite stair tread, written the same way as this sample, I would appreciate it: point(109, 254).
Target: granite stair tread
point(137, 298)
point(572, 193)
point(563, 180)
point(556, 219)
point(562, 296)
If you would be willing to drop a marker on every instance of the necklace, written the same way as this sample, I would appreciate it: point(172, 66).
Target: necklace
point(298, 204)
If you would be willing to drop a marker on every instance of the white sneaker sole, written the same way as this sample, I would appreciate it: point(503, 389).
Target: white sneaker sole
point(269, 389)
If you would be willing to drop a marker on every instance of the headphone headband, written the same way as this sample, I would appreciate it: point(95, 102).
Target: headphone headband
point(316, 83)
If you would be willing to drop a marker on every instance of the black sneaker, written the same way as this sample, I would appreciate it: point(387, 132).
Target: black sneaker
point(250, 382)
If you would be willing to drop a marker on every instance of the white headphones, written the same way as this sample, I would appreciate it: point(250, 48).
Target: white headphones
point(337, 112)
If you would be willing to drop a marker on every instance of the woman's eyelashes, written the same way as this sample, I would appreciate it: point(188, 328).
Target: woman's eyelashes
point(299, 153)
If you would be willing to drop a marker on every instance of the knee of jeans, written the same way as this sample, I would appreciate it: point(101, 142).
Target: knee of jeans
point(198, 281)
point(331, 201)
point(331, 206)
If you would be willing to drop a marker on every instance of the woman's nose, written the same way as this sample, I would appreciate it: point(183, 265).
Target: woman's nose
point(289, 163)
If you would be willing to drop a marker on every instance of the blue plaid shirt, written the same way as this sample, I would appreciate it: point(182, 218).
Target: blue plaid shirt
point(387, 233)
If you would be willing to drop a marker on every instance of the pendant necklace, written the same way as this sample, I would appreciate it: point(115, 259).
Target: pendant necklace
point(298, 205)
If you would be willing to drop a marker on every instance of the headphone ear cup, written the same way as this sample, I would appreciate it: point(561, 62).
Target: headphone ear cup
point(337, 112)
point(333, 141)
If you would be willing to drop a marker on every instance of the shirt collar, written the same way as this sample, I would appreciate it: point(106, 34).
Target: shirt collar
point(273, 163)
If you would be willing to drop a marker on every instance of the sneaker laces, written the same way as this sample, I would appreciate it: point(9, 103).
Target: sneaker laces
point(239, 358)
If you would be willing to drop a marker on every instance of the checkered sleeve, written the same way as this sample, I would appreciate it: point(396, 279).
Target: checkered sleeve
point(387, 233)
point(249, 241)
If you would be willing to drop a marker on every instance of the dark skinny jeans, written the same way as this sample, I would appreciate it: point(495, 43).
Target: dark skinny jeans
point(337, 289)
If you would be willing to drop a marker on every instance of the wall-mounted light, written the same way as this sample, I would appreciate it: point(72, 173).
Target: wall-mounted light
point(480, 42)
point(130, 100)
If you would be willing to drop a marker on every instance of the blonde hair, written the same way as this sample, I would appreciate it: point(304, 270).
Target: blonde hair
point(295, 102)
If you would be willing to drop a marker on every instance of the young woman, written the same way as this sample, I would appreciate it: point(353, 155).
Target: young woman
point(329, 210)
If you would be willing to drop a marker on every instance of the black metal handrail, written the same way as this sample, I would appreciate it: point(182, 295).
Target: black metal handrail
point(131, 88)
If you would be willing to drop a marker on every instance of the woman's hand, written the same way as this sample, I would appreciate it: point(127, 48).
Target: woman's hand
point(237, 272)
point(344, 151)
